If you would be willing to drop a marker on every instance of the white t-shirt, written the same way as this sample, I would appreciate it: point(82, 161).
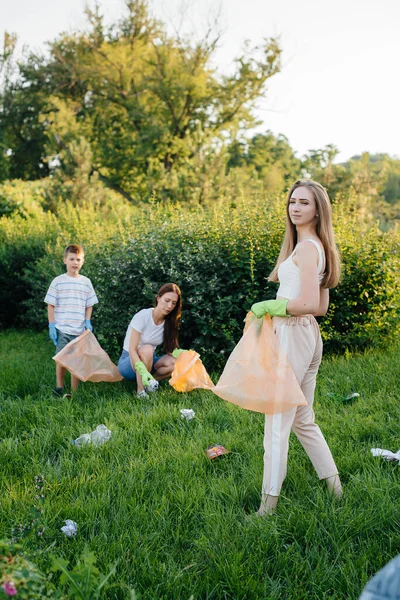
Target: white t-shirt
point(150, 332)
point(70, 297)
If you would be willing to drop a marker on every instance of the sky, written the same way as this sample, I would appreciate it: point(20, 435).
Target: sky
point(339, 83)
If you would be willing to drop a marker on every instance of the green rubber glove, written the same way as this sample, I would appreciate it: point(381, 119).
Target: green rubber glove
point(143, 372)
point(177, 352)
point(274, 308)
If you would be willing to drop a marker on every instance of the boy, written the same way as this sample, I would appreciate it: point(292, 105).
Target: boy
point(70, 299)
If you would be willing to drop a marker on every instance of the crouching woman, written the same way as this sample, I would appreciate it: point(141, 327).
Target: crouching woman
point(148, 329)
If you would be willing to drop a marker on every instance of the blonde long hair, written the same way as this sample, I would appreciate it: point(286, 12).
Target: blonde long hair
point(323, 229)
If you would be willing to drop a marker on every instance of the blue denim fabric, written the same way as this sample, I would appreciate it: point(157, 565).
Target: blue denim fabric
point(125, 367)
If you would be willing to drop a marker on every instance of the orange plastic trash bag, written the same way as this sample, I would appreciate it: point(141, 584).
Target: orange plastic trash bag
point(189, 373)
point(86, 359)
point(258, 375)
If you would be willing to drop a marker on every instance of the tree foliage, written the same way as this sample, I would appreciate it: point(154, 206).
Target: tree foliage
point(152, 109)
point(22, 101)
point(145, 113)
point(373, 178)
point(266, 158)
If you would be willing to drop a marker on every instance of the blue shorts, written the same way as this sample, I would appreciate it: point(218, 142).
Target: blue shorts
point(125, 367)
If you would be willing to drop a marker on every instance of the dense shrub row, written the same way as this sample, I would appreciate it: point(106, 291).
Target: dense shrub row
point(220, 258)
point(26, 242)
point(22, 243)
point(220, 263)
point(365, 307)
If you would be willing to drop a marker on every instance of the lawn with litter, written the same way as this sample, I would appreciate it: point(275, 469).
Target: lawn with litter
point(175, 521)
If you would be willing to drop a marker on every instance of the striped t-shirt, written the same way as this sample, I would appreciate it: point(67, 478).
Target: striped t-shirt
point(70, 296)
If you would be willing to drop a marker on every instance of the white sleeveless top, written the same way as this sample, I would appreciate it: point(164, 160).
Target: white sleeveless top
point(289, 274)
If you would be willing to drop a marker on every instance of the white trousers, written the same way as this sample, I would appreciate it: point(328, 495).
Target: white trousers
point(300, 339)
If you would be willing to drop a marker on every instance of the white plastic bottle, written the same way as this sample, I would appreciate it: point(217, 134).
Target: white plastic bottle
point(82, 440)
point(100, 435)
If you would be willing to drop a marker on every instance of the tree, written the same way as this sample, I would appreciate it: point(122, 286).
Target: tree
point(268, 157)
point(373, 178)
point(22, 101)
point(151, 107)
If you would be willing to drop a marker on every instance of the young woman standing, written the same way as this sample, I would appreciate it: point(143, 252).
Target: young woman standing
point(308, 265)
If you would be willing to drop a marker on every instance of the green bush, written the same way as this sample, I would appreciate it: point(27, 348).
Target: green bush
point(18, 576)
point(365, 307)
point(220, 262)
point(31, 254)
point(220, 258)
point(23, 198)
point(23, 242)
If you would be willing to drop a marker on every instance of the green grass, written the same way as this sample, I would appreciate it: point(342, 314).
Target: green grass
point(175, 521)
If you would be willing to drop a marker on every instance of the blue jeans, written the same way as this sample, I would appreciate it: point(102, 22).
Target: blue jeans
point(125, 367)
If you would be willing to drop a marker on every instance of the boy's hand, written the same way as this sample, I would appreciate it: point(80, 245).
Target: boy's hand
point(88, 325)
point(53, 332)
point(177, 352)
point(143, 372)
point(275, 308)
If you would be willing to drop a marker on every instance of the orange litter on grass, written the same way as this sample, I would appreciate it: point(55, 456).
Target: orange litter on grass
point(216, 450)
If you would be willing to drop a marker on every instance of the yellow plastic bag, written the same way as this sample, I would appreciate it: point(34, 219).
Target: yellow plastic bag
point(86, 359)
point(258, 375)
point(189, 373)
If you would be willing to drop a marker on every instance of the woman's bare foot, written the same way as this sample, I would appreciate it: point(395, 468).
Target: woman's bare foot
point(268, 505)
